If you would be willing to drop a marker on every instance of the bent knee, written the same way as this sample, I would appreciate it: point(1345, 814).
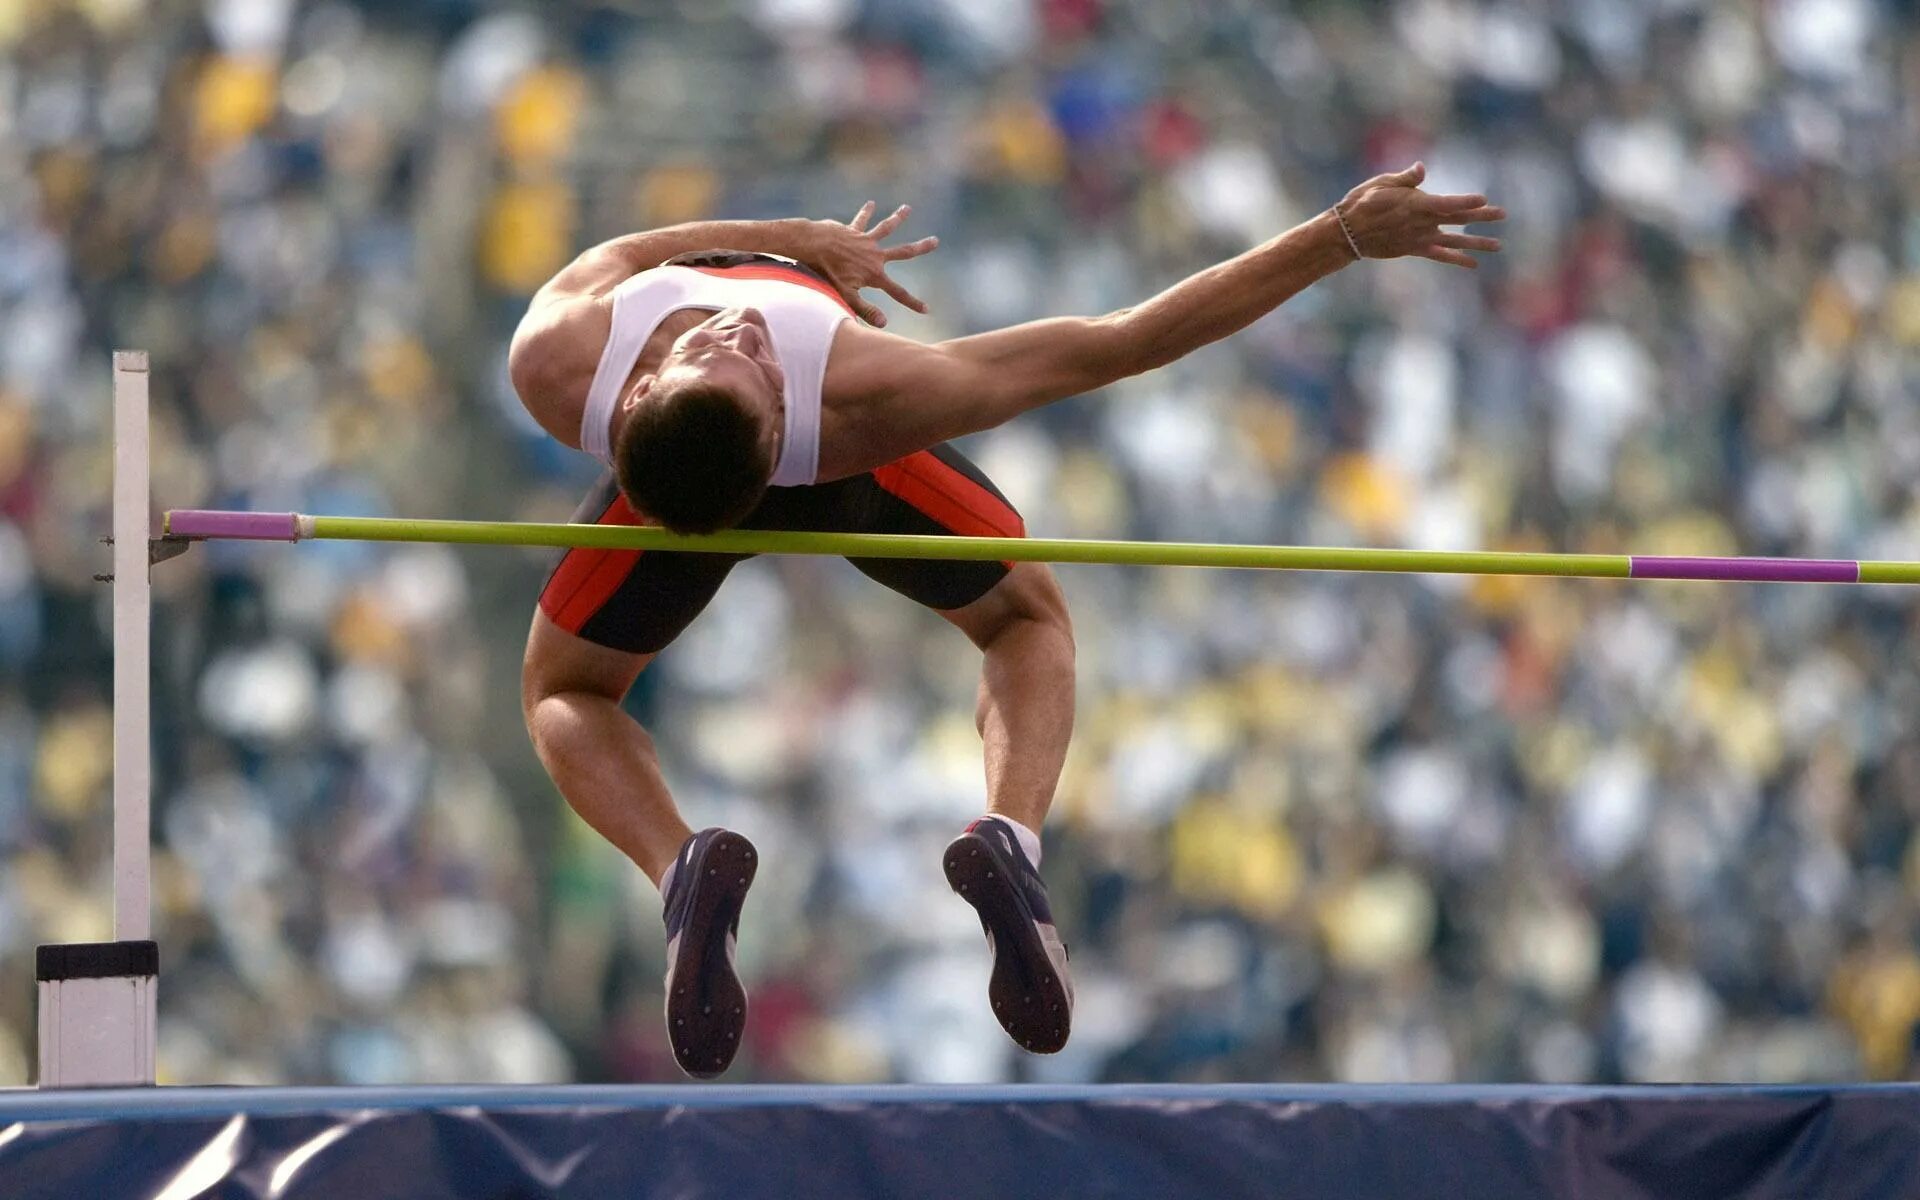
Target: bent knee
point(533, 694)
point(1029, 595)
point(1038, 595)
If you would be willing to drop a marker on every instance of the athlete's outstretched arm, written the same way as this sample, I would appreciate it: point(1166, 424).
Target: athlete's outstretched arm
point(901, 396)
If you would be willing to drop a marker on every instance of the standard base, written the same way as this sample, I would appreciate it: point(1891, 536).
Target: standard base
point(97, 1014)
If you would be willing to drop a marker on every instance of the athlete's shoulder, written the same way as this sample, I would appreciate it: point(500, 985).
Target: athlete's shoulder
point(555, 346)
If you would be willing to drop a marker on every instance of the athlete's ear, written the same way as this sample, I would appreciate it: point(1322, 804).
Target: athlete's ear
point(638, 392)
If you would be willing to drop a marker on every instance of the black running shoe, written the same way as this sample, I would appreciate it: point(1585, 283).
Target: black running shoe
point(1031, 991)
point(706, 1006)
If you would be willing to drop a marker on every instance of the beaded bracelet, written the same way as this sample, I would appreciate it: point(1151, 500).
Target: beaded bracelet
point(1351, 244)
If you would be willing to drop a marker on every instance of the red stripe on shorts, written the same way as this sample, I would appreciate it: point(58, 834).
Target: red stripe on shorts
point(950, 498)
point(782, 274)
point(587, 579)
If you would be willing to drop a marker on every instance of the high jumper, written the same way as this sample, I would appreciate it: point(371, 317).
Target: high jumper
point(716, 371)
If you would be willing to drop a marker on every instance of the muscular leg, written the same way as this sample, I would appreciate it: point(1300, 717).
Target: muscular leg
point(1025, 713)
point(606, 767)
point(598, 756)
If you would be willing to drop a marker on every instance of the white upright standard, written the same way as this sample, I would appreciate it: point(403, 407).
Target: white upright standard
point(97, 998)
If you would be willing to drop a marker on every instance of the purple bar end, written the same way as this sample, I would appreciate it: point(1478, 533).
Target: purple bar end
point(248, 526)
point(1752, 570)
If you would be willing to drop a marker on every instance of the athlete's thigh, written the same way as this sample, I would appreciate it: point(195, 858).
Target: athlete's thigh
point(935, 491)
point(558, 662)
point(632, 601)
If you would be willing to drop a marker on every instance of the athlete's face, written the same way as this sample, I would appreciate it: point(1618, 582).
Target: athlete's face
point(733, 350)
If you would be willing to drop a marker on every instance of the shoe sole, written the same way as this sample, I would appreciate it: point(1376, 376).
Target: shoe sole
point(707, 1007)
point(1028, 995)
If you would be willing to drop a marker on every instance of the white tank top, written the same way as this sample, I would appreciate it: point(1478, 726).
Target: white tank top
point(801, 320)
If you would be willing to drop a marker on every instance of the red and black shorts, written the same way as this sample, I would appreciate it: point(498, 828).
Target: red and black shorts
point(638, 601)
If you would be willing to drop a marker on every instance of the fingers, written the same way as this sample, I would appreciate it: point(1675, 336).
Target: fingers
point(901, 253)
point(1458, 258)
point(868, 311)
point(858, 303)
point(892, 223)
point(889, 254)
point(901, 294)
point(1467, 241)
point(1443, 205)
point(1410, 177)
point(1474, 216)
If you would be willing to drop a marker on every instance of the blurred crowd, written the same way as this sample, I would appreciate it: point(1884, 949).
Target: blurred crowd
point(1312, 827)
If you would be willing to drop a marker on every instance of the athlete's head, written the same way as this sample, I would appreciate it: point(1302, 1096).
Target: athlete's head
point(700, 437)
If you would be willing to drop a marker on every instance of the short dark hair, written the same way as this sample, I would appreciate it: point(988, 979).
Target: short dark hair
point(693, 458)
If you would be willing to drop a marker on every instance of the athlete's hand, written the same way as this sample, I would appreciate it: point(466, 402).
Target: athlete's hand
point(1390, 217)
point(852, 258)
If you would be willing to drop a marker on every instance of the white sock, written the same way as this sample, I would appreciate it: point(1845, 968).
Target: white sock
point(1029, 840)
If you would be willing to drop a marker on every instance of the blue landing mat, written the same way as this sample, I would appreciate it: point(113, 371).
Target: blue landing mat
point(1271, 1141)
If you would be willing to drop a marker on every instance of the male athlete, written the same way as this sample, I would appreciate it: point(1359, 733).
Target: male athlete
point(715, 370)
